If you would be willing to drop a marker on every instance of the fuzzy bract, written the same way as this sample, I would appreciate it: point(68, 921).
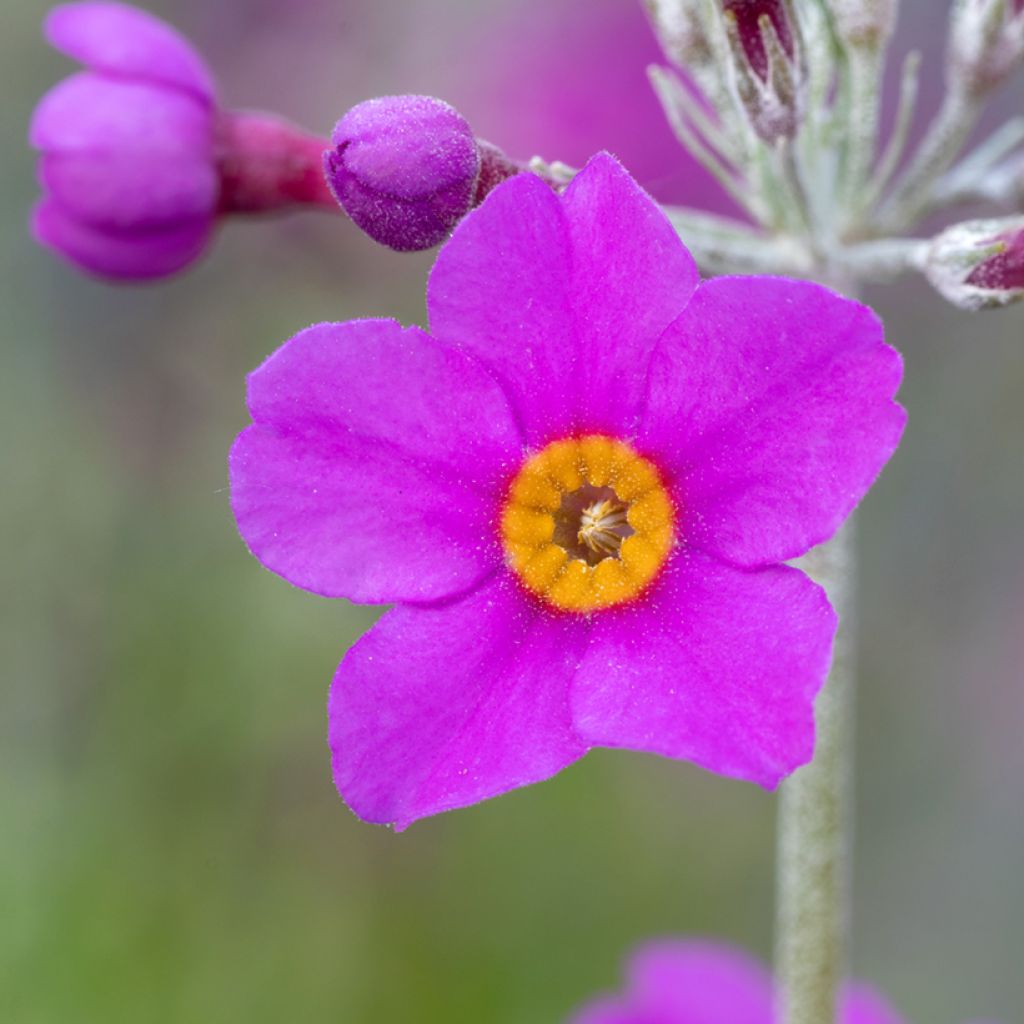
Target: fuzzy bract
point(581, 398)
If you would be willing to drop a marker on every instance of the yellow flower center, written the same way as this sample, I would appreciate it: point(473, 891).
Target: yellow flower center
point(587, 523)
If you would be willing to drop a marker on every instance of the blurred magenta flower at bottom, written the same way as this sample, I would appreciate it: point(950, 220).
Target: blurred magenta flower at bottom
point(138, 161)
point(699, 981)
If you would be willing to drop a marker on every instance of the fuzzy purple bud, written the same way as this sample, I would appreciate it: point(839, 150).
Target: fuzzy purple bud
point(405, 169)
point(979, 264)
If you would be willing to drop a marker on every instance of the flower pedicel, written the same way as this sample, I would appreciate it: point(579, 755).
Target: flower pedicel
point(578, 489)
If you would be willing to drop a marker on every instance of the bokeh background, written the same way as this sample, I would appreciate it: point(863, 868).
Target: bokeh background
point(172, 847)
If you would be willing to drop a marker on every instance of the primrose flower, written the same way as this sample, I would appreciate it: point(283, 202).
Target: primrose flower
point(578, 489)
point(703, 982)
point(407, 169)
point(137, 160)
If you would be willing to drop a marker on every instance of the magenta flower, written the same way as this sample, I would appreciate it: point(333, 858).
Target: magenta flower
point(138, 162)
point(407, 169)
point(702, 982)
point(578, 489)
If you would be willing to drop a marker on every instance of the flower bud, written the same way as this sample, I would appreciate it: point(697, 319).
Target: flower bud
point(979, 264)
point(864, 22)
point(986, 43)
point(137, 160)
point(407, 169)
point(769, 62)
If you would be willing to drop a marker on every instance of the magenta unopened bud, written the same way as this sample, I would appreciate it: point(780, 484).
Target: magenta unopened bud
point(405, 169)
point(748, 15)
point(979, 264)
point(769, 64)
point(137, 160)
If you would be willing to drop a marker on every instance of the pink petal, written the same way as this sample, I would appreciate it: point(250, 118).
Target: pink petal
point(375, 464)
point(436, 708)
point(129, 43)
point(861, 1004)
point(631, 278)
point(87, 112)
point(771, 406)
point(120, 255)
point(687, 982)
point(716, 665)
point(563, 297)
point(128, 191)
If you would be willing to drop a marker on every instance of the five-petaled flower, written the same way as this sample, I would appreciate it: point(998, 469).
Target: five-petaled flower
point(578, 488)
point(696, 981)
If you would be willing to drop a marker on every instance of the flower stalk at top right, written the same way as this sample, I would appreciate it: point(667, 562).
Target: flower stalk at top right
point(780, 100)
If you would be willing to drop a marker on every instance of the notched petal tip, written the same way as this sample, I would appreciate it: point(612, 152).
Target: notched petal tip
point(439, 708)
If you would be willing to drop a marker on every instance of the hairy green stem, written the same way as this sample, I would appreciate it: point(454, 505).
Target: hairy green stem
point(814, 827)
point(865, 78)
point(941, 146)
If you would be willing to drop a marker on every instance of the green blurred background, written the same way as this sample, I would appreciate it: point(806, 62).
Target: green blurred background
point(173, 849)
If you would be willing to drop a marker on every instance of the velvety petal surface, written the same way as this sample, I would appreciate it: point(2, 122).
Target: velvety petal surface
point(564, 297)
point(439, 707)
point(104, 115)
point(129, 190)
point(137, 255)
point(375, 464)
point(128, 43)
point(715, 665)
point(771, 407)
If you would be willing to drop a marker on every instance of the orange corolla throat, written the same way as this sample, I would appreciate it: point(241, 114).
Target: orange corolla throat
point(587, 523)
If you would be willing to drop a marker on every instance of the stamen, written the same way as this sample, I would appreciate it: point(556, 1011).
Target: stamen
point(603, 527)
